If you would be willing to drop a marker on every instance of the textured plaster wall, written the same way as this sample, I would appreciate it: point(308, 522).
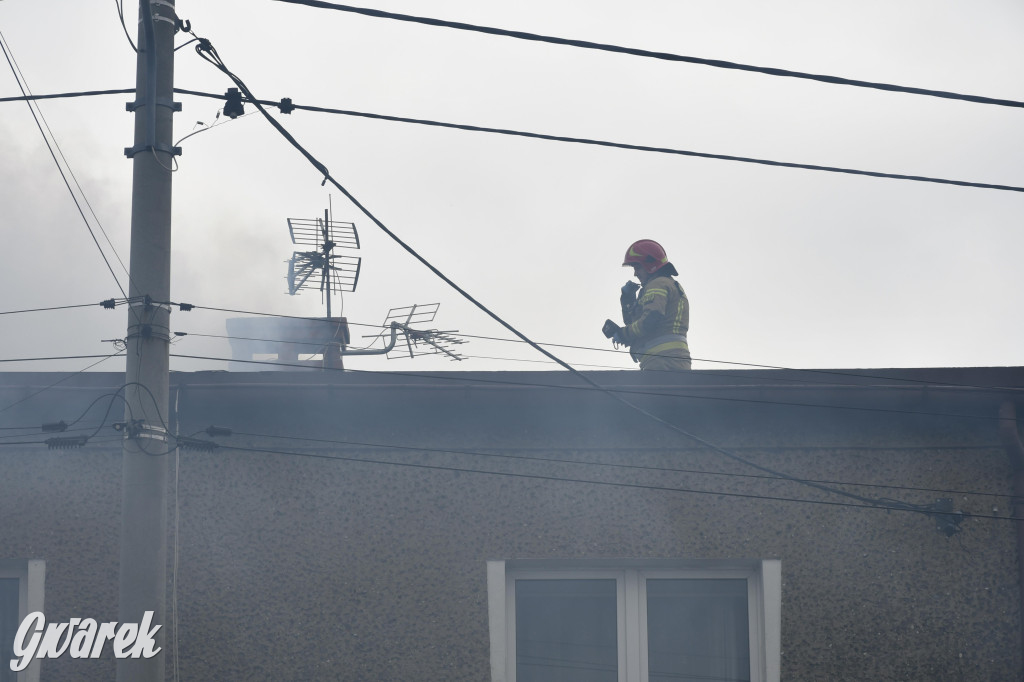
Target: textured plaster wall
point(299, 568)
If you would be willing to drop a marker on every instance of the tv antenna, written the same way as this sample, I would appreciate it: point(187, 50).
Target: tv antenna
point(322, 268)
point(423, 341)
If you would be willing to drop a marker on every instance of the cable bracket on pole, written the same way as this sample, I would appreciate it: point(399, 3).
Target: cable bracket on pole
point(172, 19)
point(138, 428)
point(160, 102)
point(130, 152)
point(147, 303)
point(169, 103)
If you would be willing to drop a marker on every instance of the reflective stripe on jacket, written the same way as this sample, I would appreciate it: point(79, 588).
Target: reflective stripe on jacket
point(656, 324)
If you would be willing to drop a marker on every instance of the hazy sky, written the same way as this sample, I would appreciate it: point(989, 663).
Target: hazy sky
point(782, 267)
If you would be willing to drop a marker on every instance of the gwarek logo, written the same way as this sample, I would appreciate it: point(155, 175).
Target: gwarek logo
point(82, 638)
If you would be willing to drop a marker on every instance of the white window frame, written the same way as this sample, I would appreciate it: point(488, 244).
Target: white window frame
point(31, 575)
point(764, 606)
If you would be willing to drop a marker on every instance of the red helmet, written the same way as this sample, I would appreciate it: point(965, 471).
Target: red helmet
point(649, 255)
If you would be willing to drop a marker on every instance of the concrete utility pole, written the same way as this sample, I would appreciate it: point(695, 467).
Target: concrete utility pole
point(143, 581)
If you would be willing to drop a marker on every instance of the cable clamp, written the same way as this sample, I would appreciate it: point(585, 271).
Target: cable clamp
point(130, 152)
point(172, 19)
point(146, 332)
point(137, 428)
point(160, 102)
point(148, 302)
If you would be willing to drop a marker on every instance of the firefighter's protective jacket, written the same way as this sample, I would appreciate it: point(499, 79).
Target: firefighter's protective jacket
point(656, 325)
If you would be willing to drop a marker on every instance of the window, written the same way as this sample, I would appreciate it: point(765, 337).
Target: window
point(634, 620)
point(21, 593)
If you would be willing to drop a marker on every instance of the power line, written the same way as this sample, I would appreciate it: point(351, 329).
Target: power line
point(120, 15)
point(543, 362)
point(615, 392)
point(66, 95)
point(894, 506)
point(58, 307)
point(55, 357)
point(593, 387)
point(60, 381)
point(24, 91)
point(622, 145)
point(416, 448)
point(568, 139)
point(852, 375)
point(665, 56)
point(206, 50)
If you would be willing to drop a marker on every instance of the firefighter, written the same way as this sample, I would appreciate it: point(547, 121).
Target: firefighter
point(656, 319)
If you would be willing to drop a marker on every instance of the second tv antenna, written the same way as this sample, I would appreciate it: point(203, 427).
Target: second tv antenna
point(322, 268)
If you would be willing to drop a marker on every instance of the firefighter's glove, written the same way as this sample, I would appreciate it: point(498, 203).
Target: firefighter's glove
point(614, 332)
point(629, 290)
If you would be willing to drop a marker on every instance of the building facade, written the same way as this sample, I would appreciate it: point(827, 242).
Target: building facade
point(525, 526)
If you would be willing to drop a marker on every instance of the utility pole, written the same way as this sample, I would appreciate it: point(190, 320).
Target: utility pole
point(143, 579)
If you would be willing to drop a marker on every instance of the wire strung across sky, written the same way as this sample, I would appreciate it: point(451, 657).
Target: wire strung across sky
point(665, 56)
point(836, 373)
point(68, 95)
point(40, 121)
point(572, 140)
point(315, 348)
point(59, 381)
point(57, 307)
point(623, 145)
point(206, 51)
point(109, 303)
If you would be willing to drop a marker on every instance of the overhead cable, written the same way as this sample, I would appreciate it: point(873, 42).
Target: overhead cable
point(827, 372)
point(638, 467)
point(57, 307)
point(36, 116)
point(568, 139)
point(665, 56)
point(206, 50)
point(623, 145)
point(120, 15)
point(67, 95)
point(595, 387)
point(886, 505)
point(60, 381)
point(56, 357)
